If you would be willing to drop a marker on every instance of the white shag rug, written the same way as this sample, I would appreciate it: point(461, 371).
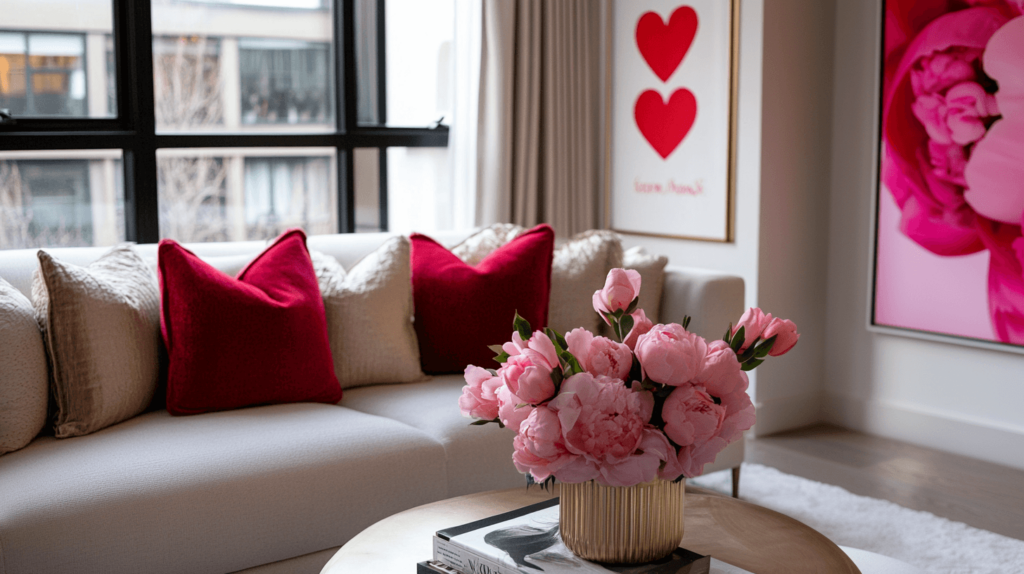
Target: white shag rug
point(919, 538)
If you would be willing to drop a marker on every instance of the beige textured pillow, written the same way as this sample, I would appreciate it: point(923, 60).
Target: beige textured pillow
point(101, 325)
point(476, 247)
point(369, 316)
point(24, 381)
point(652, 276)
point(579, 268)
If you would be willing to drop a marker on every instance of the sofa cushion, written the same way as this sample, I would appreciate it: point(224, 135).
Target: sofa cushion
point(101, 325)
point(369, 316)
point(478, 457)
point(24, 380)
point(260, 338)
point(461, 309)
point(215, 492)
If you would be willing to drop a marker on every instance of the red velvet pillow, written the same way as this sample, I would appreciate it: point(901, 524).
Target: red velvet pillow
point(260, 338)
point(461, 309)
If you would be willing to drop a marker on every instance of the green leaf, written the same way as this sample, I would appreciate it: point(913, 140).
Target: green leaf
point(625, 326)
point(728, 336)
point(501, 358)
point(632, 305)
point(553, 335)
point(557, 377)
point(482, 422)
point(492, 372)
point(764, 348)
point(737, 339)
point(751, 365)
point(749, 353)
point(561, 341)
point(522, 326)
point(686, 321)
point(495, 348)
point(572, 364)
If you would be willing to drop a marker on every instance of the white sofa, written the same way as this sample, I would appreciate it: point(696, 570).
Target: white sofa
point(267, 489)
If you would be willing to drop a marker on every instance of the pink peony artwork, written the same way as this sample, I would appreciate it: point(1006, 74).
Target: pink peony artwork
point(951, 199)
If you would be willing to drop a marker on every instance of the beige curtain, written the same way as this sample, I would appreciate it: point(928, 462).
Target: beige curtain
point(539, 138)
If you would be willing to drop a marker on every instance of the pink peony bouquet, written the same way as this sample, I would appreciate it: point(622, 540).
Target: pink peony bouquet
point(953, 135)
point(653, 401)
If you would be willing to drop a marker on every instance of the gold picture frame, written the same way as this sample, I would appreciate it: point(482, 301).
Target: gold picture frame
point(734, 37)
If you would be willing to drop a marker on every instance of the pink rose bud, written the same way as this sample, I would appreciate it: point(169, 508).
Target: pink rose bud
point(691, 416)
point(641, 325)
point(785, 335)
point(620, 288)
point(479, 398)
point(754, 322)
point(600, 355)
point(671, 355)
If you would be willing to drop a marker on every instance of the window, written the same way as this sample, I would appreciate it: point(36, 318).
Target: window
point(215, 120)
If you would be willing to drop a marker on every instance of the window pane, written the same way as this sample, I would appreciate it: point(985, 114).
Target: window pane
point(419, 61)
point(253, 65)
point(234, 194)
point(367, 183)
point(367, 110)
point(419, 189)
point(54, 58)
point(61, 198)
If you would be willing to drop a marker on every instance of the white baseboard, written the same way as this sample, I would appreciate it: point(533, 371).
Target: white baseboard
point(985, 440)
point(787, 413)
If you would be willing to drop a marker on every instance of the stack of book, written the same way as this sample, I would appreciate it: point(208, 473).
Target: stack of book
point(527, 541)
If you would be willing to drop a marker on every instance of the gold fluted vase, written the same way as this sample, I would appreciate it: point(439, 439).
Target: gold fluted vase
point(622, 524)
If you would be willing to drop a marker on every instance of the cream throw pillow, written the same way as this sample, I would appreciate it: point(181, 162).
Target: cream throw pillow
point(652, 280)
point(24, 381)
point(101, 325)
point(578, 268)
point(369, 316)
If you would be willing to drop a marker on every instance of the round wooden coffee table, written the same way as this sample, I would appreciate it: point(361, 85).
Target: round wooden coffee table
point(743, 534)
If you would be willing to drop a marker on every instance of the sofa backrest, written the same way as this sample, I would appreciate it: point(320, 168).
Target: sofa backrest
point(17, 265)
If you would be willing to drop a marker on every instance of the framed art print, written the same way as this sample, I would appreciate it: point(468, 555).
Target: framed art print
point(672, 116)
point(950, 199)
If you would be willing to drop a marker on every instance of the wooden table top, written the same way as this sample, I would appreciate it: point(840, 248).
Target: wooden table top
point(743, 534)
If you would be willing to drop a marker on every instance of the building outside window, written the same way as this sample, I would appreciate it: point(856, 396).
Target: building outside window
point(42, 74)
point(284, 81)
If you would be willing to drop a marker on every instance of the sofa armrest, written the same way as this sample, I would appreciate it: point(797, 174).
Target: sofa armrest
point(714, 299)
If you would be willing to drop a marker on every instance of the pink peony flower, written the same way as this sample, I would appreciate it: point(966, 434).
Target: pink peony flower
point(479, 398)
point(691, 416)
point(995, 170)
point(785, 333)
point(528, 372)
point(754, 321)
point(539, 448)
point(604, 421)
point(671, 355)
point(739, 416)
point(620, 288)
point(641, 325)
point(722, 373)
point(600, 355)
point(509, 412)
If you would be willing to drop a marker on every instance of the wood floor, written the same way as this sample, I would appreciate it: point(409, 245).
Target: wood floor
point(981, 494)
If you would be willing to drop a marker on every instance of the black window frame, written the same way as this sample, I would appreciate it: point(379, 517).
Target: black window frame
point(133, 131)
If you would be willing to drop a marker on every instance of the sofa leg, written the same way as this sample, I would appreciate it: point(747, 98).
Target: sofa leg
point(736, 482)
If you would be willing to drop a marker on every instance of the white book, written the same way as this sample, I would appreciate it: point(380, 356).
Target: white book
point(527, 541)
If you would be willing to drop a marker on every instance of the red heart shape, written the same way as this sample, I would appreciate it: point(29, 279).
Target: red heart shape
point(665, 125)
point(663, 47)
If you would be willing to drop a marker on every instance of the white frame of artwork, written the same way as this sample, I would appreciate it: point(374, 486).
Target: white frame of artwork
point(707, 218)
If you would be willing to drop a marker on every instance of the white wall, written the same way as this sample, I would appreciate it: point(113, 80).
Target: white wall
point(945, 396)
point(782, 195)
